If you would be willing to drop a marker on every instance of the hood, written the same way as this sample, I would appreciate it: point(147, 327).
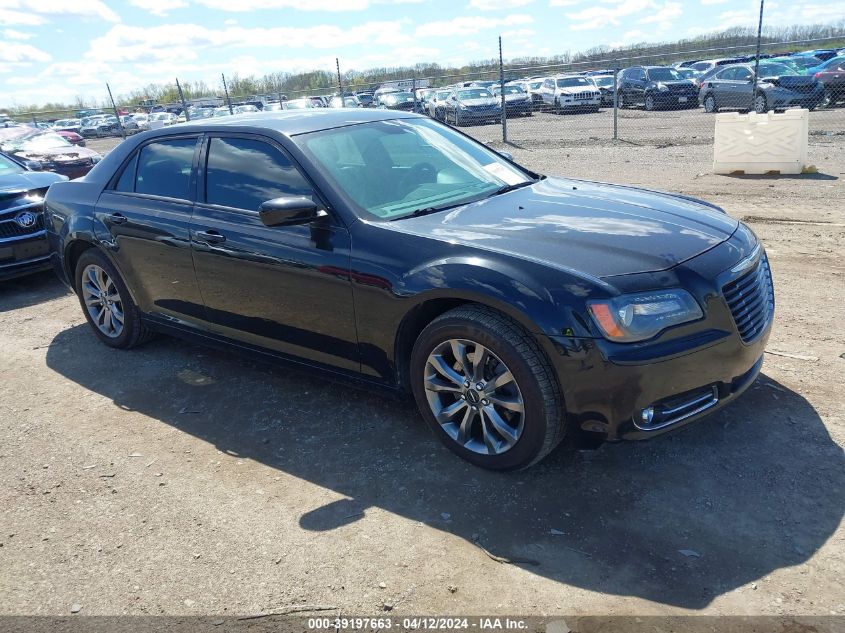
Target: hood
point(790, 81)
point(515, 97)
point(599, 229)
point(27, 181)
point(569, 90)
point(674, 83)
point(58, 154)
point(482, 101)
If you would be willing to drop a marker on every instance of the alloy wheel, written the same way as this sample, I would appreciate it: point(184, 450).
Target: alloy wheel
point(709, 104)
point(102, 300)
point(649, 103)
point(474, 397)
point(760, 104)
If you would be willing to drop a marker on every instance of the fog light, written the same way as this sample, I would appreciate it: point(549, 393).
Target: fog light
point(647, 415)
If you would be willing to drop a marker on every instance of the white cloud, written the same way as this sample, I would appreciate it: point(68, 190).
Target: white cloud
point(159, 9)
point(706, 2)
point(596, 17)
point(468, 25)
point(12, 34)
point(241, 6)
point(563, 3)
point(16, 53)
point(497, 5)
point(34, 12)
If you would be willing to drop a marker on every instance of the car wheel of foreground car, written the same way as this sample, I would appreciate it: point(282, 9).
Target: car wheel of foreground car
point(760, 104)
point(710, 104)
point(106, 302)
point(486, 389)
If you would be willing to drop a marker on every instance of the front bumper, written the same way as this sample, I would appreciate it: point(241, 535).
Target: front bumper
point(637, 391)
point(667, 98)
point(23, 257)
point(519, 107)
point(788, 99)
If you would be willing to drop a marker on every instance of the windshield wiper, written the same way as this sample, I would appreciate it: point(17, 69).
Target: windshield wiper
point(506, 188)
point(424, 211)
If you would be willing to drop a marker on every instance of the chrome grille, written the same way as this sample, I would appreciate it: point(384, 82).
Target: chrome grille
point(583, 95)
point(751, 299)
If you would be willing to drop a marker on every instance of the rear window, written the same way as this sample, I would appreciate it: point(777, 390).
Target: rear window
point(164, 168)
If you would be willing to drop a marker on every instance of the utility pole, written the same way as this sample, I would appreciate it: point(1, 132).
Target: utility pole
point(117, 116)
point(226, 91)
point(339, 84)
point(757, 59)
point(615, 100)
point(182, 99)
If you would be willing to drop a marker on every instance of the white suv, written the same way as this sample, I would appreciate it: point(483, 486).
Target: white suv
point(570, 92)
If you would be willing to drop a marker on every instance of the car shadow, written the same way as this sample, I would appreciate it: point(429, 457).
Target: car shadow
point(680, 520)
point(22, 292)
point(776, 176)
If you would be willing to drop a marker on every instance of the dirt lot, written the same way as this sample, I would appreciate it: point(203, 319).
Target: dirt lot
point(174, 479)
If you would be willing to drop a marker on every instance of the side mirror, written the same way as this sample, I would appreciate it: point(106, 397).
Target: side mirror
point(289, 210)
point(34, 165)
point(454, 98)
point(507, 155)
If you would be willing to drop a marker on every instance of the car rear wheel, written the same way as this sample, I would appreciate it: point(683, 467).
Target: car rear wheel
point(649, 103)
point(710, 104)
point(486, 389)
point(760, 106)
point(828, 99)
point(620, 101)
point(106, 302)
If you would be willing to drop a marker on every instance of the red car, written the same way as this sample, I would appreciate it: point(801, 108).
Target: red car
point(71, 137)
point(53, 152)
point(833, 80)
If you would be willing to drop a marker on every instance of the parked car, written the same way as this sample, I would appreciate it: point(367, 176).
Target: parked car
point(606, 86)
point(532, 87)
point(298, 104)
point(70, 125)
point(778, 87)
point(517, 101)
point(71, 137)
point(100, 126)
point(801, 64)
point(48, 149)
point(820, 53)
point(162, 119)
point(570, 92)
point(655, 87)
point(833, 81)
point(366, 99)
point(466, 106)
point(398, 101)
point(709, 64)
point(515, 308)
point(23, 242)
point(130, 125)
point(833, 61)
point(345, 102)
point(436, 105)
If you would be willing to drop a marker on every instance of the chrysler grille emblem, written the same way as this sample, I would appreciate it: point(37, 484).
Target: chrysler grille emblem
point(26, 219)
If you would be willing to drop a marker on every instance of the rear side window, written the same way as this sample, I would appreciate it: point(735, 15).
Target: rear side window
point(243, 173)
point(126, 182)
point(164, 168)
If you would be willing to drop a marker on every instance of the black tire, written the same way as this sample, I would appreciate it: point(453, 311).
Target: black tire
point(649, 103)
point(710, 104)
point(134, 331)
point(558, 109)
point(620, 101)
point(828, 100)
point(544, 413)
point(760, 105)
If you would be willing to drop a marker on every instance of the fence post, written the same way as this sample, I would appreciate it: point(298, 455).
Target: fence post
point(34, 120)
point(182, 99)
point(615, 100)
point(757, 59)
point(280, 95)
point(117, 116)
point(226, 91)
point(502, 94)
point(339, 83)
point(414, 90)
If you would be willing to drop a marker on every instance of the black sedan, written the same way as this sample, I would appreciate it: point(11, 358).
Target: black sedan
point(778, 87)
point(656, 87)
point(392, 250)
point(23, 243)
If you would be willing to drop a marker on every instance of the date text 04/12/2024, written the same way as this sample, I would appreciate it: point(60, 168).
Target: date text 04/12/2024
point(418, 623)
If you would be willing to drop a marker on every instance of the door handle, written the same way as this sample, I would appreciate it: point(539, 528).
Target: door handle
point(211, 236)
point(117, 218)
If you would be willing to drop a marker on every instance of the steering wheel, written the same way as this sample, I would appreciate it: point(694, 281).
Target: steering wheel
point(417, 175)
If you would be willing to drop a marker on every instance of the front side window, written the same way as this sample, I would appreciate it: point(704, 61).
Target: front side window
point(389, 169)
point(243, 173)
point(164, 168)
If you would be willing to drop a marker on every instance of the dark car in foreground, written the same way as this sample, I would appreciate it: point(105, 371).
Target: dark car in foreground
point(655, 87)
point(394, 251)
point(23, 242)
point(778, 87)
point(51, 151)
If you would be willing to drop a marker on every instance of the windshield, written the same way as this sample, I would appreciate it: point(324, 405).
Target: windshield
point(298, 104)
point(443, 94)
point(509, 90)
point(37, 142)
point(663, 74)
point(805, 62)
point(774, 70)
point(389, 169)
point(475, 93)
point(572, 82)
point(603, 80)
point(396, 97)
point(8, 166)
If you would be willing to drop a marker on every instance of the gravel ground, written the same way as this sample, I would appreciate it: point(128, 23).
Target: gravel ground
point(178, 480)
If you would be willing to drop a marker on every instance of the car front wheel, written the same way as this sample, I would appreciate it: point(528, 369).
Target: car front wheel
point(710, 104)
point(649, 103)
point(106, 302)
point(760, 104)
point(486, 389)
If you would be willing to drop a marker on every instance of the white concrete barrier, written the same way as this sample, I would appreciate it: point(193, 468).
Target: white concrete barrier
point(761, 143)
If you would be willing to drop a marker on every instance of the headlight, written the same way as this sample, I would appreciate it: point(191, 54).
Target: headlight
point(640, 316)
point(662, 87)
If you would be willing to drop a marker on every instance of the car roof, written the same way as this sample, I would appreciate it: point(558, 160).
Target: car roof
point(291, 122)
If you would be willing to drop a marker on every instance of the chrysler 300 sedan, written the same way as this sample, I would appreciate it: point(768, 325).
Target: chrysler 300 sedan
point(392, 250)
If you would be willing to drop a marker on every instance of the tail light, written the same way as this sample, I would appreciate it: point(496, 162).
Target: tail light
point(817, 76)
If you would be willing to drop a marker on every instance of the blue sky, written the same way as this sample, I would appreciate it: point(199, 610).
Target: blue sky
point(61, 49)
